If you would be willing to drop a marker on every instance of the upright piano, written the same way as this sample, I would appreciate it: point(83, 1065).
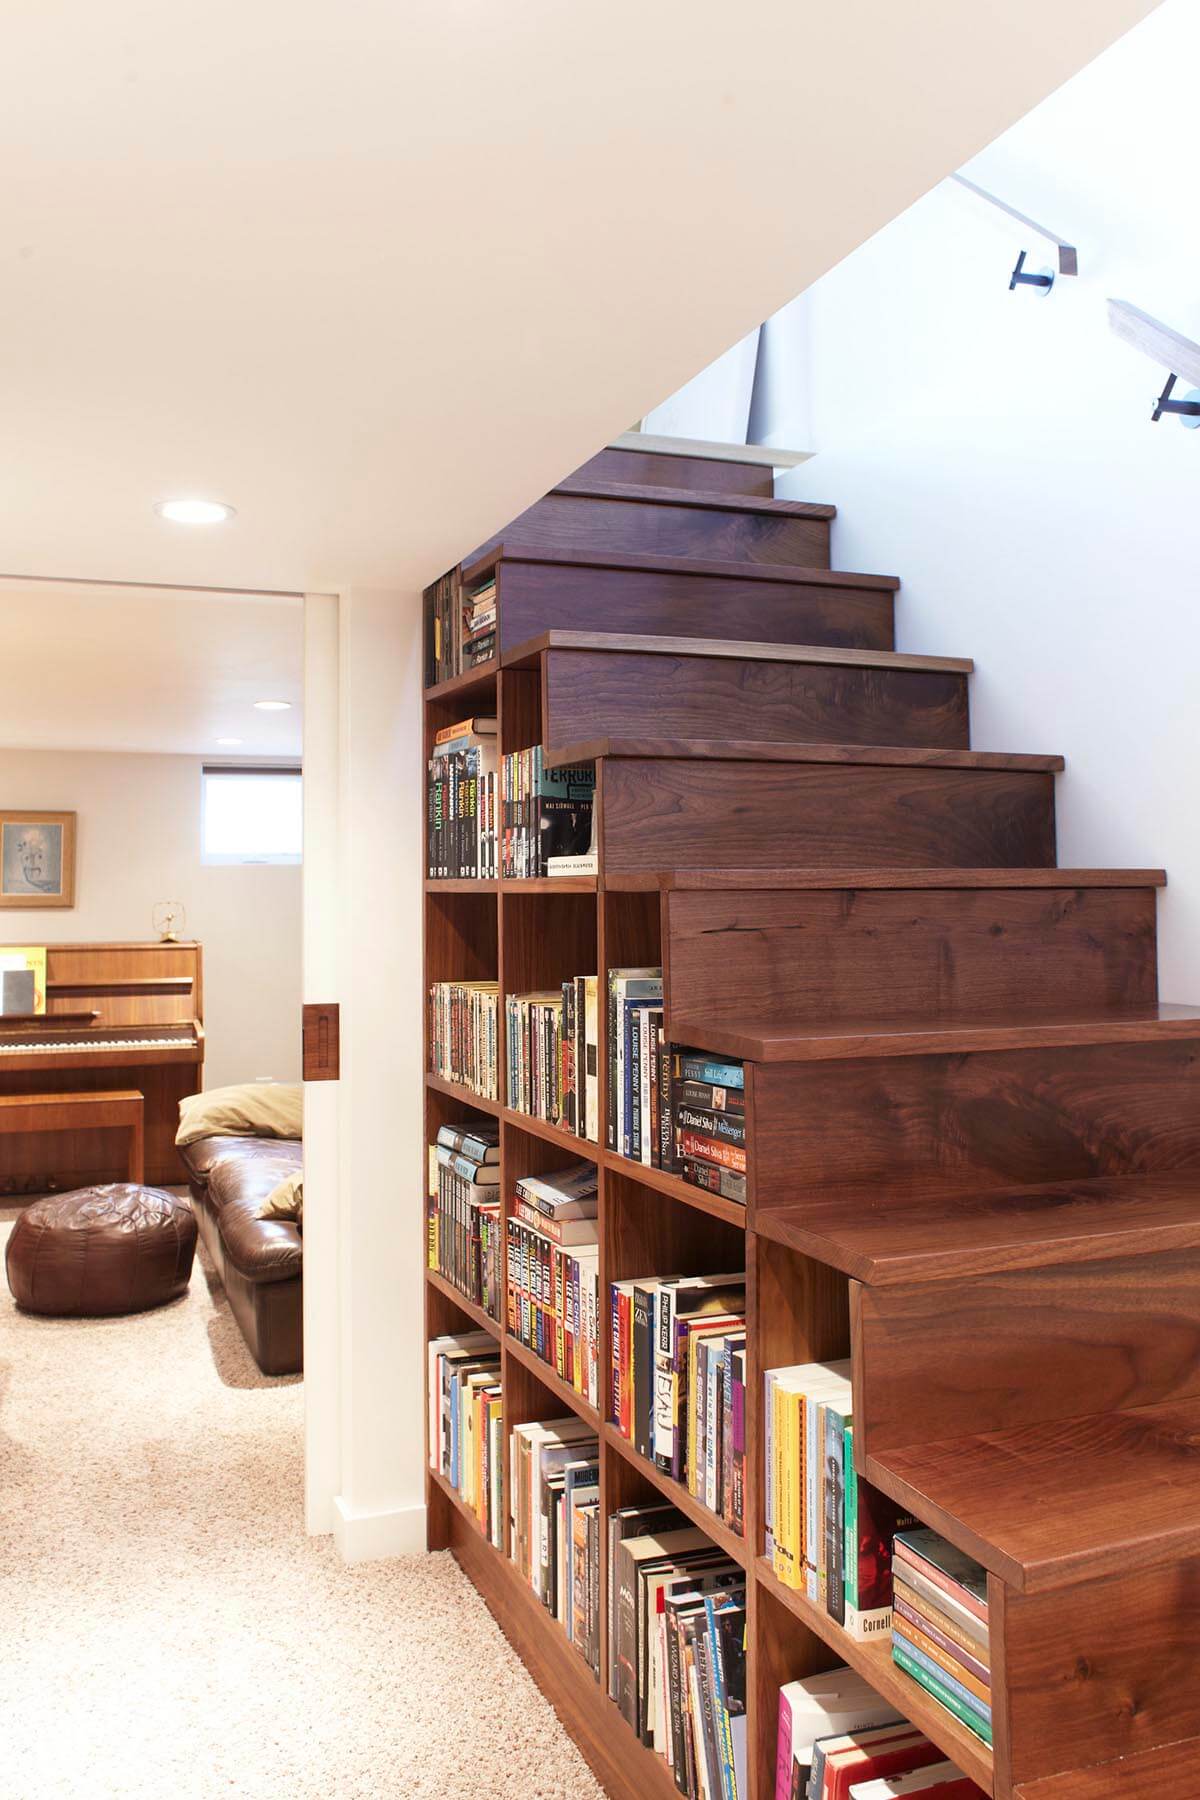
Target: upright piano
point(117, 1016)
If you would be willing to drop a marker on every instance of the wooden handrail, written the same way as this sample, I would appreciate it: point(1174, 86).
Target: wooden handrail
point(1170, 349)
point(1068, 256)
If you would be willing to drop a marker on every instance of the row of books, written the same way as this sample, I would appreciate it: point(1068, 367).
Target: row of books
point(828, 1533)
point(670, 1107)
point(462, 801)
point(837, 1740)
point(466, 1424)
point(679, 1382)
point(554, 1274)
point(554, 1513)
point(546, 816)
point(677, 1648)
point(460, 626)
point(551, 1043)
point(940, 1625)
point(464, 1023)
point(464, 1233)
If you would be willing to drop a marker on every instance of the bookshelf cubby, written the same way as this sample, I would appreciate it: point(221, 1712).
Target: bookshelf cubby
point(934, 1020)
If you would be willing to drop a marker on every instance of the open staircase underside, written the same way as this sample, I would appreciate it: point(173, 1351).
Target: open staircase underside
point(964, 1091)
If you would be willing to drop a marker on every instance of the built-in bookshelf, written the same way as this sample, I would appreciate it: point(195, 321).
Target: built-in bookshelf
point(521, 936)
point(833, 915)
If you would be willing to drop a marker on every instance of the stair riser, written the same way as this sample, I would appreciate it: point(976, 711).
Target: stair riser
point(791, 958)
point(707, 475)
point(537, 597)
point(990, 1119)
point(670, 814)
point(656, 528)
point(1102, 1670)
point(946, 1359)
point(592, 693)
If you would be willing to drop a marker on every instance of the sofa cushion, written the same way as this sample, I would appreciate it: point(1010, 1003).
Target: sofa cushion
point(245, 1164)
point(238, 1183)
point(270, 1109)
point(198, 1158)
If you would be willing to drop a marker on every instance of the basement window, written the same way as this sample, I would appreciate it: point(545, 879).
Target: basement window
point(251, 815)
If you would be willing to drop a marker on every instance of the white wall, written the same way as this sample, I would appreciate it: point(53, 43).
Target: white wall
point(139, 842)
point(994, 450)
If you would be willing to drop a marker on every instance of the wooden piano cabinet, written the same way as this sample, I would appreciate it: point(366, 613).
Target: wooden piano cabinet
point(146, 1034)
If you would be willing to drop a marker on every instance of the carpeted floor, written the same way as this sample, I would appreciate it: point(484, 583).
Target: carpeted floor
point(168, 1630)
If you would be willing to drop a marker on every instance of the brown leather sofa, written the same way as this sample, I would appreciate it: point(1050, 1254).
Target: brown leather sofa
point(260, 1261)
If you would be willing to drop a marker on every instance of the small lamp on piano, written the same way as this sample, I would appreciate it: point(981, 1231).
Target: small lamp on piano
point(170, 918)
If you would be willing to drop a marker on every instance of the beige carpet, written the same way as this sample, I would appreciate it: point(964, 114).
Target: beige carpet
point(167, 1629)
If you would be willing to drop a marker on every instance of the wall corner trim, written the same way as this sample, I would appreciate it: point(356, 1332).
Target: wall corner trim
point(371, 1536)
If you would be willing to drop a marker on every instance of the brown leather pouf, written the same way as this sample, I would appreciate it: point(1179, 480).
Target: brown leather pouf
point(100, 1250)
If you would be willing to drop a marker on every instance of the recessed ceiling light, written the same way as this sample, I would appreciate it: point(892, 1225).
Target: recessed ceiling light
point(230, 743)
point(272, 706)
point(194, 512)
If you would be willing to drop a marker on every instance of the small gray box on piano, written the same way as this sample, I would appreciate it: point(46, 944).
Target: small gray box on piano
point(16, 991)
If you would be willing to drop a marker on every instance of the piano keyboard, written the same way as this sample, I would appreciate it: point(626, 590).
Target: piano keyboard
point(61, 1046)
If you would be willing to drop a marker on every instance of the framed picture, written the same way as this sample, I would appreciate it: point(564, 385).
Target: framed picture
point(37, 858)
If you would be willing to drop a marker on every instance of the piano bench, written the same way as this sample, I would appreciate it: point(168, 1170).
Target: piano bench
point(45, 1115)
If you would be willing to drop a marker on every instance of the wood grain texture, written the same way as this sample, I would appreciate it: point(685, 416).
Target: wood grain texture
point(661, 522)
point(678, 600)
point(662, 468)
point(746, 750)
point(1107, 1670)
point(947, 1359)
point(788, 957)
point(887, 1238)
point(658, 493)
point(649, 644)
point(321, 1040)
point(988, 1120)
point(43, 1116)
point(709, 814)
point(593, 693)
point(764, 1043)
point(1167, 1772)
point(1070, 1500)
point(911, 878)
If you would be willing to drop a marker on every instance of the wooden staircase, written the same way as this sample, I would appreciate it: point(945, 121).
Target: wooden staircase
point(974, 1128)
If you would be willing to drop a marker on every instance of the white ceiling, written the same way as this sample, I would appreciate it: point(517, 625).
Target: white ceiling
point(378, 272)
point(103, 668)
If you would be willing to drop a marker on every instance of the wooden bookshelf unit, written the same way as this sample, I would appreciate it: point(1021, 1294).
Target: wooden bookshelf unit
point(973, 1130)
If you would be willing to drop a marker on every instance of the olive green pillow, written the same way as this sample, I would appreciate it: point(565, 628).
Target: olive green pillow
point(255, 1109)
point(287, 1200)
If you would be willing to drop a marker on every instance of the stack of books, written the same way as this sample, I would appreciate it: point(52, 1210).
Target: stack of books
point(466, 1424)
point(679, 1382)
point(441, 629)
point(464, 1034)
point(677, 1648)
point(462, 801)
point(838, 1740)
point(707, 1107)
point(479, 624)
point(552, 1041)
point(547, 815)
point(460, 629)
point(940, 1625)
point(828, 1533)
point(554, 1511)
point(635, 1052)
point(464, 1236)
point(553, 1274)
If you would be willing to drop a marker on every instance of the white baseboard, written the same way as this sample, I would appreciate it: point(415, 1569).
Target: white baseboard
point(367, 1537)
